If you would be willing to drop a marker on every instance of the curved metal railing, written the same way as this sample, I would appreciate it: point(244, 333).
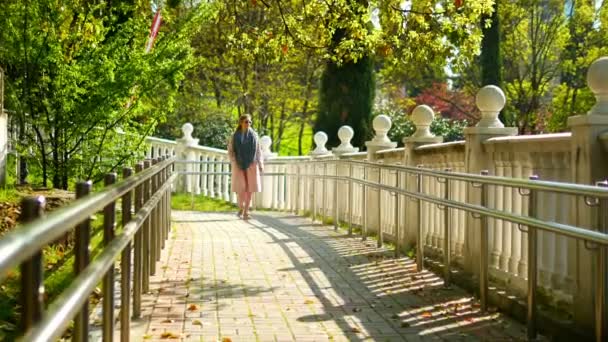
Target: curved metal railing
point(146, 207)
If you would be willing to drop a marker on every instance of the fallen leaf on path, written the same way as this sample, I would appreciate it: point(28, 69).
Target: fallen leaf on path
point(147, 337)
point(192, 307)
point(168, 321)
point(226, 339)
point(308, 301)
point(170, 335)
point(356, 330)
point(427, 315)
point(197, 322)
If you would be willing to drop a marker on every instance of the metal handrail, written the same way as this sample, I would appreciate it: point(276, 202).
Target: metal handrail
point(72, 299)
point(559, 228)
point(22, 243)
point(556, 187)
point(149, 229)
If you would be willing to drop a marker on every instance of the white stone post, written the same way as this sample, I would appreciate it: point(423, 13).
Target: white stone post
point(183, 148)
point(422, 117)
point(381, 124)
point(588, 165)
point(490, 101)
point(345, 134)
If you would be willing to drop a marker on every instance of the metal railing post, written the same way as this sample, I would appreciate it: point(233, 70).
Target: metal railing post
point(32, 273)
point(138, 255)
point(314, 193)
point(532, 265)
point(446, 233)
point(146, 236)
point(336, 203)
point(82, 259)
point(601, 271)
point(396, 214)
point(324, 193)
point(419, 243)
point(125, 266)
point(380, 237)
point(109, 224)
point(350, 199)
point(154, 225)
point(158, 217)
point(483, 249)
point(364, 206)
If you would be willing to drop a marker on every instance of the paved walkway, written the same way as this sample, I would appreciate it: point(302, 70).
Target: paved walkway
point(281, 278)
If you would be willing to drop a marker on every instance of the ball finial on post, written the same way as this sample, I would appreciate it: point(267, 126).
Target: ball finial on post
point(490, 100)
point(320, 139)
point(382, 124)
point(422, 117)
point(265, 143)
point(345, 134)
point(597, 80)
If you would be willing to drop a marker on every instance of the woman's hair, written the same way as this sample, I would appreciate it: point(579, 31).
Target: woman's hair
point(243, 117)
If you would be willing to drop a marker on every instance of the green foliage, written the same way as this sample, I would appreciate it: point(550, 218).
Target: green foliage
point(346, 98)
point(78, 72)
point(588, 40)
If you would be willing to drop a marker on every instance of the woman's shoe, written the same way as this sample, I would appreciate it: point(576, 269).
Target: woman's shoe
point(246, 217)
point(240, 213)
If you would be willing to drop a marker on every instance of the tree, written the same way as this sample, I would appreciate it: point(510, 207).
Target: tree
point(491, 57)
point(537, 34)
point(77, 74)
point(588, 41)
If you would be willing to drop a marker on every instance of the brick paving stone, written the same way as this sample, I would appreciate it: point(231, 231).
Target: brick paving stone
point(279, 277)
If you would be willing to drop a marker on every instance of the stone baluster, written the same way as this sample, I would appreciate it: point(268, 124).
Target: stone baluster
point(226, 178)
point(205, 178)
point(461, 186)
point(495, 227)
point(516, 200)
point(188, 154)
point(196, 179)
point(527, 171)
point(507, 227)
point(211, 177)
point(219, 187)
point(560, 256)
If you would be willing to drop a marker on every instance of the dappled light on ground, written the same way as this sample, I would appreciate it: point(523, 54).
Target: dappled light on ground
point(281, 278)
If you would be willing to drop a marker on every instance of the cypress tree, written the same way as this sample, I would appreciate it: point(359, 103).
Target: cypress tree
point(491, 57)
point(346, 96)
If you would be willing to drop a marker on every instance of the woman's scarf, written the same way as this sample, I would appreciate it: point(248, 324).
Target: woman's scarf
point(244, 145)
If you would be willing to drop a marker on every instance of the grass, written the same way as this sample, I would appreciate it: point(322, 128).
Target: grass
point(200, 203)
point(9, 195)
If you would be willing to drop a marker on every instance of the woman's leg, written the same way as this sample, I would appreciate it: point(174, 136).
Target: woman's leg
point(240, 199)
point(247, 203)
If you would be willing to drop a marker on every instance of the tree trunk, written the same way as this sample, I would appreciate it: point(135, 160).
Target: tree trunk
point(491, 57)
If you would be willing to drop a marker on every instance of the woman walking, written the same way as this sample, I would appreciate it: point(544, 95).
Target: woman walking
point(247, 164)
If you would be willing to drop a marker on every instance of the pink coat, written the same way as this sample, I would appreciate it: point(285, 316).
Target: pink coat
point(249, 180)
